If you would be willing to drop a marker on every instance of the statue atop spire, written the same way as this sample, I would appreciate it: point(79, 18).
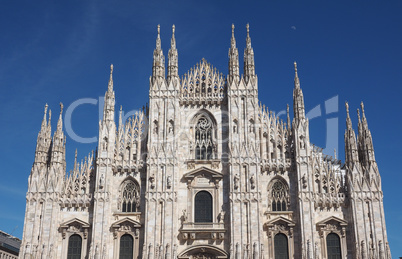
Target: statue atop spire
point(234, 74)
point(249, 66)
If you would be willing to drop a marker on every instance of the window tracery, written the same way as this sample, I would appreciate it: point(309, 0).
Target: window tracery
point(279, 195)
point(130, 200)
point(203, 139)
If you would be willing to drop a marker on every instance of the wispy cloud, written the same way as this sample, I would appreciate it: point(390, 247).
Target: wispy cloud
point(9, 191)
point(293, 27)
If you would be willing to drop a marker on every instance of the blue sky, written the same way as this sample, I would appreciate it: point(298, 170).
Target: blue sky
point(60, 51)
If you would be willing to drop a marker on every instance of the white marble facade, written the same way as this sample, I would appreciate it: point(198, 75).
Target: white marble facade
point(205, 171)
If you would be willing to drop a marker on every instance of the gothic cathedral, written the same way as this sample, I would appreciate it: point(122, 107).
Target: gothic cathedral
point(205, 171)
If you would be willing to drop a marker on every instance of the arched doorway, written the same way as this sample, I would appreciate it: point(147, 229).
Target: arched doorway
point(333, 246)
point(281, 246)
point(203, 252)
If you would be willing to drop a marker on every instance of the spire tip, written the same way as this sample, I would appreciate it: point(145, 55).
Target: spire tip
point(362, 106)
point(61, 108)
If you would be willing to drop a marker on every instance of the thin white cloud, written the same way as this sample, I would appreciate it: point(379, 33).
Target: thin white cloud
point(293, 27)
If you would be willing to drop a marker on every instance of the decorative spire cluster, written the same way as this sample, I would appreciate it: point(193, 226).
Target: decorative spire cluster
point(360, 150)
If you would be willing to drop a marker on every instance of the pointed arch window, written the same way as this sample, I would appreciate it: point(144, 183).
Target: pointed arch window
point(126, 247)
point(281, 246)
point(279, 195)
point(333, 246)
point(130, 201)
point(74, 247)
point(203, 139)
point(203, 207)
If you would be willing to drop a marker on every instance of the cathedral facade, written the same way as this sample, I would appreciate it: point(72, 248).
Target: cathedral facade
point(205, 171)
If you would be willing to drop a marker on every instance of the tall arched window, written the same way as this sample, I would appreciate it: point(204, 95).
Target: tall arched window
point(203, 139)
point(281, 246)
point(203, 207)
point(333, 246)
point(74, 247)
point(126, 247)
point(130, 196)
point(279, 196)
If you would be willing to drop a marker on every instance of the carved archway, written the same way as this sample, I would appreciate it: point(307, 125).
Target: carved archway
point(203, 252)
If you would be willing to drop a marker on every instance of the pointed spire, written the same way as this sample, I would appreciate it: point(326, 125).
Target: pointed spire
point(58, 143)
point(158, 38)
point(75, 161)
point(60, 122)
point(173, 63)
point(298, 99)
point(44, 124)
point(351, 154)
point(366, 148)
point(297, 80)
point(173, 40)
point(49, 126)
point(364, 120)
point(234, 74)
point(108, 109)
point(158, 67)
point(288, 116)
point(44, 140)
point(110, 85)
point(249, 66)
point(233, 40)
point(248, 40)
point(348, 120)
